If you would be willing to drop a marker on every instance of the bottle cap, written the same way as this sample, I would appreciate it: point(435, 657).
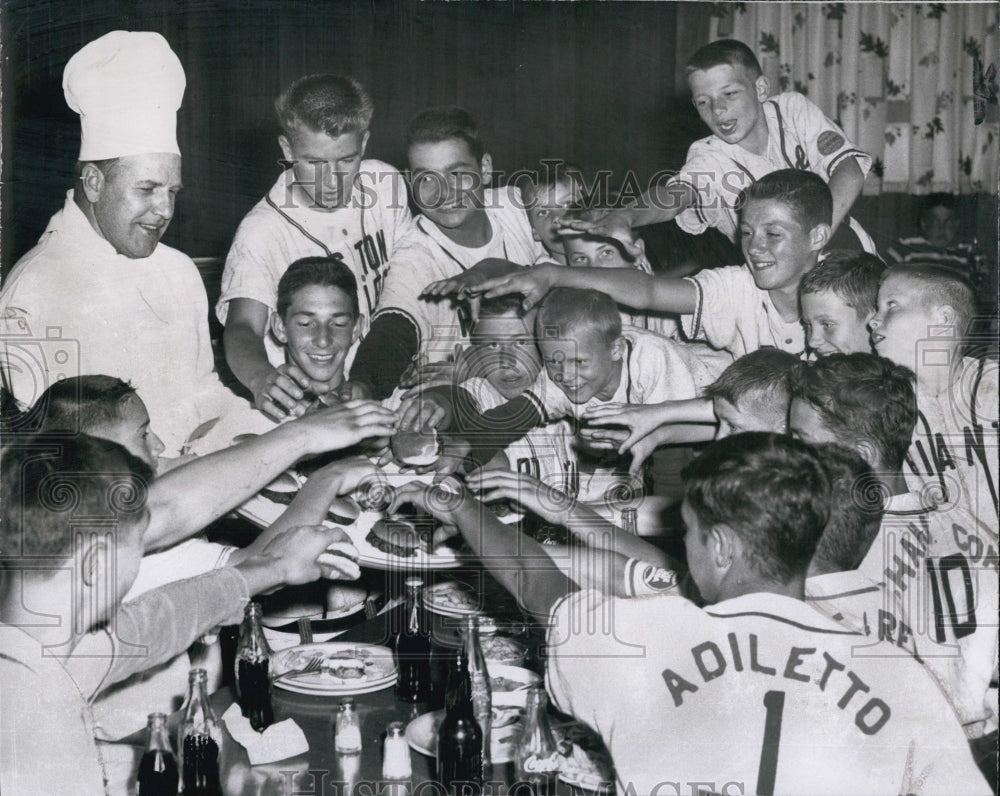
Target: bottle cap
point(411, 583)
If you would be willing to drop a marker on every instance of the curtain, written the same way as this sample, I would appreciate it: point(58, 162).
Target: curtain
point(912, 84)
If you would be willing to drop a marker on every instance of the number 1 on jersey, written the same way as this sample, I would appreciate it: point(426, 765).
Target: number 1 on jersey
point(774, 702)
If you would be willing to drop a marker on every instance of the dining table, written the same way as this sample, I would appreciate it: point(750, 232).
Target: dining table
point(323, 771)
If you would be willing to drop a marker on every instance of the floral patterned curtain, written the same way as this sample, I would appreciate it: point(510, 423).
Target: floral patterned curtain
point(913, 84)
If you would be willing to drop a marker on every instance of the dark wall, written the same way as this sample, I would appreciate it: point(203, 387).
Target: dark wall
point(596, 83)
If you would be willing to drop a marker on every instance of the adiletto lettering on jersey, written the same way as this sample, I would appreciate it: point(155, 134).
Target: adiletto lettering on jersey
point(741, 654)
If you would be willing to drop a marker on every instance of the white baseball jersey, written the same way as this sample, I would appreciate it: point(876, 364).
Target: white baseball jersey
point(800, 136)
point(546, 453)
point(279, 230)
point(928, 586)
point(653, 371)
point(955, 453)
point(733, 314)
point(758, 694)
point(427, 255)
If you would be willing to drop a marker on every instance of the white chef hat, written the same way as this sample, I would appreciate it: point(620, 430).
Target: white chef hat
point(127, 87)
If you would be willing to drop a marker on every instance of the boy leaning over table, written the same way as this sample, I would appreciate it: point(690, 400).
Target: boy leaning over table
point(718, 684)
point(59, 564)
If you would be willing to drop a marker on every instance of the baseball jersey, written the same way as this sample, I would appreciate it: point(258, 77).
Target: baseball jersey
point(928, 586)
point(546, 452)
point(653, 371)
point(733, 314)
point(427, 255)
point(799, 136)
point(955, 452)
point(758, 694)
point(279, 230)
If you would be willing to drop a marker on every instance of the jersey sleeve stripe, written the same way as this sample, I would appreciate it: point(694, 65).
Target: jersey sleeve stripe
point(847, 153)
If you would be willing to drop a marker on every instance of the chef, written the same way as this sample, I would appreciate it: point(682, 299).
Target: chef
point(99, 293)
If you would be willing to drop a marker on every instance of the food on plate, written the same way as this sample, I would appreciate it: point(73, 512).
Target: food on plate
point(451, 595)
point(415, 448)
point(505, 684)
point(282, 489)
point(343, 511)
point(503, 650)
point(343, 668)
point(399, 537)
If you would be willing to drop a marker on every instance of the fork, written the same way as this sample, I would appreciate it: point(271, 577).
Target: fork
point(312, 665)
point(305, 630)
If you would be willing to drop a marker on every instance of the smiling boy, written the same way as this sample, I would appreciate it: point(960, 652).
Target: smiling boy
point(328, 202)
point(784, 224)
point(838, 301)
point(463, 221)
point(924, 313)
point(317, 320)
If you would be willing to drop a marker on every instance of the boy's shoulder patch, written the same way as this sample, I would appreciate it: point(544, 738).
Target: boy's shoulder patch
point(829, 141)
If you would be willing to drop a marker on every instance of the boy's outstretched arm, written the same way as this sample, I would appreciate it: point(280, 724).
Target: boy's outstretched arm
point(186, 499)
point(626, 286)
point(517, 561)
point(556, 507)
point(845, 185)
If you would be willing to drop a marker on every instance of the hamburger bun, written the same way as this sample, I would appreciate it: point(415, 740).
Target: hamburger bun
point(415, 448)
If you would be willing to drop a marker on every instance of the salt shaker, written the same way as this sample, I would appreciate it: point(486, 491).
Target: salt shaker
point(396, 753)
point(347, 729)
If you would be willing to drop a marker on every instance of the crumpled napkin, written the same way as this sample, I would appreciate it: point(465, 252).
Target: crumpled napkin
point(279, 741)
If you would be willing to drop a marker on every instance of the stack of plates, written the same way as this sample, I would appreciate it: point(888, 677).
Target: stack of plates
point(380, 669)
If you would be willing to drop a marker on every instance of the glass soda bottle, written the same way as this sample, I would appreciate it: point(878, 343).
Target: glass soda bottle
point(413, 649)
point(199, 740)
point(253, 670)
point(536, 758)
point(159, 774)
point(630, 521)
point(460, 738)
point(479, 682)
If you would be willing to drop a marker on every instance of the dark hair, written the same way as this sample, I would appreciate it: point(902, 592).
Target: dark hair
point(805, 193)
point(565, 309)
point(771, 490)
point(443, 123)
point(765, 372)
point(865, 400)
point(81, 404)
point(47, 483)
point(320, 271)
point(940, 286)
point(326, 103)
point(851, 275)
point(500, 306)
point(553, 172)
point(856, 508)
point(938, 199)
point(725, 52)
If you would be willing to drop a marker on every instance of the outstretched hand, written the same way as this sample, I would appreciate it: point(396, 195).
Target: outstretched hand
point(640, 420)
point(605, 224)
point(526, 491)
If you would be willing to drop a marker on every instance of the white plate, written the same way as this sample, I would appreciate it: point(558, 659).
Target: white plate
point(434, 603)
point(264, 512)
point(380, 673)
point(421, 734)
point(279, 640)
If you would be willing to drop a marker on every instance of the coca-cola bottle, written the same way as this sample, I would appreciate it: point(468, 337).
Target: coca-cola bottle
point(199, 740)
point(479, 682)
point(253, 670)
point(413, 649)
point(460, 738)
point(536, 758)
point(158, 771)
